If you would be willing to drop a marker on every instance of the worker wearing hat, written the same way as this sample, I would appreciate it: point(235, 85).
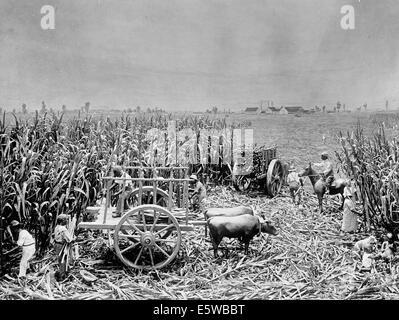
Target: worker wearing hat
point(349, 219)
point(62, 236)
point(327, 169)
point(198, 193)
point(118, 172)
point(295, 184)
point(27, 243)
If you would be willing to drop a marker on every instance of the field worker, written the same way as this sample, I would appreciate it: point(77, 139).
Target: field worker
point(118, 172)
point(26, 241)
point(368, 261)
point(61, 238)
point(327, 169)
point(198, 193)
point(349, 219)
point(44, 231)
point(369, 255)
point(387, 248)
point(286, 168)
point(295, 184)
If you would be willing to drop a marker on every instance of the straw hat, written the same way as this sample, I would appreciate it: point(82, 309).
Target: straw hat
point(347, 192)
point(193, 177)
point(62, 217)
point(14, 223)
point(292, 168)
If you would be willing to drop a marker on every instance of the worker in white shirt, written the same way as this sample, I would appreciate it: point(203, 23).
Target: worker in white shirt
point(27, 243)
point(295, 184)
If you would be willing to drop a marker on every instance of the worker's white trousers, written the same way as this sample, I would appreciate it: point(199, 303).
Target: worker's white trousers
point(27, 254)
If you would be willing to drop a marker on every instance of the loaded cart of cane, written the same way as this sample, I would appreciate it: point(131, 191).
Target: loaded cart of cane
point(148, 234)
point(261, 169)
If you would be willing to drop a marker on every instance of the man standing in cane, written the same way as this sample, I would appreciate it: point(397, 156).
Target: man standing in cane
point(61, 238)
point(198, 193)
point(27, 243)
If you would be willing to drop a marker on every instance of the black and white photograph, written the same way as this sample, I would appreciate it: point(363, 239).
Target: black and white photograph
point(218, 150)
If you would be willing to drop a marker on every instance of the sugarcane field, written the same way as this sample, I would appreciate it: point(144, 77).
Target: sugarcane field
point(198, 151)
point(54, 167)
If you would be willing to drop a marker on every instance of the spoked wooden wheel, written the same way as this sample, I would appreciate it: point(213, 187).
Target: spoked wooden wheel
point(147, 237)
point(241, 183)
point(275, 177)
point(147, 197)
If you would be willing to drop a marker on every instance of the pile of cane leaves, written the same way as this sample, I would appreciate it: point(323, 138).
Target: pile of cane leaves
point(307, 260)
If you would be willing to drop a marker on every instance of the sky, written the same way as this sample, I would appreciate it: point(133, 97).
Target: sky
point(195, 54)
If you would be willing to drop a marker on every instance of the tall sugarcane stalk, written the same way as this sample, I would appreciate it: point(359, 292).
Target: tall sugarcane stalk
point(37, 179)
point(373, 163)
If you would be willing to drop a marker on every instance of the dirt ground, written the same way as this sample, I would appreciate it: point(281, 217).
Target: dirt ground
point(307, 260)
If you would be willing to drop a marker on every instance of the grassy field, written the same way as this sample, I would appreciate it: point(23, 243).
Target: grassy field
point(299, 139)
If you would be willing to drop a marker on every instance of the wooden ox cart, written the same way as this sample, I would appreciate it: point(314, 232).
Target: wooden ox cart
point(263, 170)
point(148, 235)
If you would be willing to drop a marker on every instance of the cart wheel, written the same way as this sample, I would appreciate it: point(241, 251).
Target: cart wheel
point(147, 197)
point(275, 177)
point(140, 241)
point(241, 183)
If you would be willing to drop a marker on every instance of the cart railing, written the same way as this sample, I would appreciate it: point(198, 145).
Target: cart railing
point(257, 162)
point(155, 179)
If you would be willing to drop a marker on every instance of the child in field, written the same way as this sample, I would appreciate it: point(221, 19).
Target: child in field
point(368, 260)
point(387, 248)
point(295, 184)
point(26, 241)
point(366, 249)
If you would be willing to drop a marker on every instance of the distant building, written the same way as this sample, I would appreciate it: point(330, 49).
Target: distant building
point(309, 111)
point(252, 110)
point(273, 110)
point(282, 110)
point(294, 109)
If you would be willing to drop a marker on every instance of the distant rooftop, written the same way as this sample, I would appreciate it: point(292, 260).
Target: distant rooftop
point(252, 109)
point(293, 109)
point(275, 109)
